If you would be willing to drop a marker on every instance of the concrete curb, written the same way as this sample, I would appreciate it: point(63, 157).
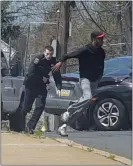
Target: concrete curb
point(112, 156)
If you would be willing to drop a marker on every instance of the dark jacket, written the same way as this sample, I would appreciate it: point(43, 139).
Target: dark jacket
point(91, 61)
point(39, 73)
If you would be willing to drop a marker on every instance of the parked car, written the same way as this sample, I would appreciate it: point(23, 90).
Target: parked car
point(111, 106)
point(11, 88)
point(114, 92)
point(111, 82)
point(110, 87)
point(12, 95)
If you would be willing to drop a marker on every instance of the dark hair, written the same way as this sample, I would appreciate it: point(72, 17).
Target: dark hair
point(50, 48)
point(96, 34)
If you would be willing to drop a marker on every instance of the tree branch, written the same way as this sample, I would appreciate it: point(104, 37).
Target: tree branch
point(92, 17)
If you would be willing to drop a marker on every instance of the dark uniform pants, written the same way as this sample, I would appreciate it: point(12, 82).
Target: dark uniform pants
point(29, 98)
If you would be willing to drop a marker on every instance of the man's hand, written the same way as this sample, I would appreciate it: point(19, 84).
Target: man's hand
point(47, 87)
point(56, 67)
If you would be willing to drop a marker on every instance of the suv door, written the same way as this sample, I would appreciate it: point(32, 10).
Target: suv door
point(11, 92)
point(18, 87)
point(8, 92)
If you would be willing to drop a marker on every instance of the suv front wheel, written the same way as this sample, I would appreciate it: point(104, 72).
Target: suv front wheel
point(110, 114)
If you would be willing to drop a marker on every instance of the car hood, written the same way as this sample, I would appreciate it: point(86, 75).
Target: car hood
point(118, 75)
point(114, 78)
point(119, 72)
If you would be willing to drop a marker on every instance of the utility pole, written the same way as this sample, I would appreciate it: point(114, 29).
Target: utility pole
point(62, 35)
point(10, 29)
point(128, 27)
point(26, 51)
point(10, 49)
point(119, 24)
point(63, 31)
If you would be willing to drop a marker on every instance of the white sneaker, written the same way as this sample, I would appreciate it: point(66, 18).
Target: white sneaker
point(65, 116)
point(62, 131)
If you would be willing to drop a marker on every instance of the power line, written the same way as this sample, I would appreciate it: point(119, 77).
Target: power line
point(113, 11)
point(81, 15)
point(91, 16)
point(98, 24)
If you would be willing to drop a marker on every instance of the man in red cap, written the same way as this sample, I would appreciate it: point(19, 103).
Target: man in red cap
point(91, 65)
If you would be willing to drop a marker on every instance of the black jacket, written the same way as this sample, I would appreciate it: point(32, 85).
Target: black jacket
point(91, 61)
point(39, 70)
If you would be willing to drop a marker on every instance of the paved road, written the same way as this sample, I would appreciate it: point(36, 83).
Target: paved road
point(117, 142)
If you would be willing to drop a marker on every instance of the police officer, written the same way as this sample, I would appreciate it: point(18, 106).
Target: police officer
point(36, 87)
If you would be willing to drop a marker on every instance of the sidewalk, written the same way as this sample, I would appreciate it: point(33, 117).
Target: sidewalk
point(19, 149)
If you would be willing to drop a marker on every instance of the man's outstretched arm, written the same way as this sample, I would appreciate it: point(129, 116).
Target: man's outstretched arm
point(74, 54)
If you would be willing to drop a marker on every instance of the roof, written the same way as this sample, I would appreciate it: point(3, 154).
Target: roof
point(6, 49)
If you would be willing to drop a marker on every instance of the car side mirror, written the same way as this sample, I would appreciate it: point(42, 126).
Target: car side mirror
point(4, 72)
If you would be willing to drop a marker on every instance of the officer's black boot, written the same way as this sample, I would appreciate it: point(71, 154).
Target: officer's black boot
point(28, 130)
point(23, 121)
point(33, 121)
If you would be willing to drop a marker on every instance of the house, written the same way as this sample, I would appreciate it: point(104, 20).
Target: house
point(9, 53)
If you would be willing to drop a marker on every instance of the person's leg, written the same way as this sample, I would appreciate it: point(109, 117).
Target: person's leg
point(94, 86)
point(29, 98)
point(75, 110)
point(39, 108)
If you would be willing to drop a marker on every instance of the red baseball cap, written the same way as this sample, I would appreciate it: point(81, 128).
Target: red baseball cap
point(96, 34)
